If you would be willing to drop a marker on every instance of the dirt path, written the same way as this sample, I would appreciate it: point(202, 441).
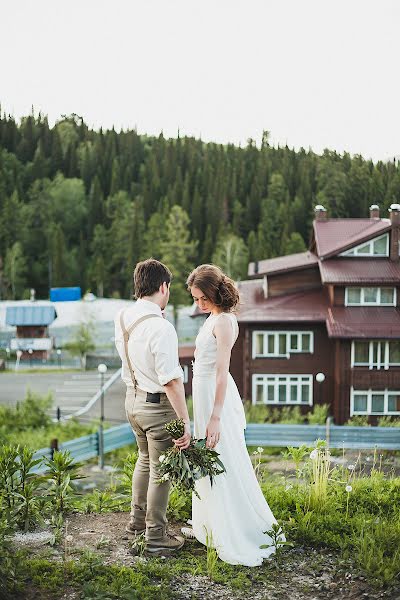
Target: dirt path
point(304, 574)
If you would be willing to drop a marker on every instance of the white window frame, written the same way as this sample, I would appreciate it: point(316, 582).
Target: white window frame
point(362, 293)
point(383, 359)
point(353, 251)
point(275, 379)
point(369, 393)
point(276, 334)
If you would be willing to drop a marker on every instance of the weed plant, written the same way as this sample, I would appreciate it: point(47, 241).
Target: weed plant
point(343, 508)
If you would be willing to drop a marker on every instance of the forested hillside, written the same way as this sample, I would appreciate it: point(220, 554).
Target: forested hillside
point(81, 207)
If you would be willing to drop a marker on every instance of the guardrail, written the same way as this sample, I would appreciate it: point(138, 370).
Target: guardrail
point(93, 400)
point(264, 434)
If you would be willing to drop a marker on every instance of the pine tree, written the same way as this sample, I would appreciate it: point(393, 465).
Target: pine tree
point(178, 252)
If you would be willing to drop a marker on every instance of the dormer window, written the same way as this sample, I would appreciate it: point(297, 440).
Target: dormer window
point(376, 247)
point(370, 296)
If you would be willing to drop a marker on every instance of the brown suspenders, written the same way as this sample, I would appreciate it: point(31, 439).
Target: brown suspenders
point(127, 333)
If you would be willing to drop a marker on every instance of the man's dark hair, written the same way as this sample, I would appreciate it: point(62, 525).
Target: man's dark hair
point(148, 276)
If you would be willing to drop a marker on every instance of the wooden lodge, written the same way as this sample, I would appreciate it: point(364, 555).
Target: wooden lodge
point(323, 326)
point(32, 334)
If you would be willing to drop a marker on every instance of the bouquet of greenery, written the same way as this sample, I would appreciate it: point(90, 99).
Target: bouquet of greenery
point(184, 467)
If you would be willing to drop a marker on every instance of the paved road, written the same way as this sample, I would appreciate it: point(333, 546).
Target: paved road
point(70, 392)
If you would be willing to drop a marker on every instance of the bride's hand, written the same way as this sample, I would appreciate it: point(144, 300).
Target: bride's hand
point(213, 432)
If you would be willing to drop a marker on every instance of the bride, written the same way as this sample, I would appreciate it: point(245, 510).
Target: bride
point(232, 514)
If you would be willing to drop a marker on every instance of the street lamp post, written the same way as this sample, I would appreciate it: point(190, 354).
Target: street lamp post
point(102, 369)
point(59, 357)
point(19, 354)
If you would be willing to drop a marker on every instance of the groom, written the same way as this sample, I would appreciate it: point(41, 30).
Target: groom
point(148, 346)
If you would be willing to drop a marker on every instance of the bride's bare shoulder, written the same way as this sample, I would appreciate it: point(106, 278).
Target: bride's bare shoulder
point(223, 323)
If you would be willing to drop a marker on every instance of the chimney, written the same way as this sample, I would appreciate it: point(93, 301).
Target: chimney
point(394, 211)
point(374, 211)
point(320, 213)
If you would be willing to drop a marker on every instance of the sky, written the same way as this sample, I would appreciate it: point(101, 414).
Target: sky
point(314, 73)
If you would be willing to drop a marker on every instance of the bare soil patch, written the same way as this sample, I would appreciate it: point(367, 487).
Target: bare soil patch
point(304, 574)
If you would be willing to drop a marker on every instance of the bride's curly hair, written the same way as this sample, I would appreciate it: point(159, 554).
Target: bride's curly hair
point(216, 286)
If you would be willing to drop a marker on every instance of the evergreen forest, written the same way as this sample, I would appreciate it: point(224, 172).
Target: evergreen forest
point(81, 207)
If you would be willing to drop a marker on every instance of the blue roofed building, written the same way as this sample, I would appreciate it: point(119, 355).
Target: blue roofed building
point(32, 333)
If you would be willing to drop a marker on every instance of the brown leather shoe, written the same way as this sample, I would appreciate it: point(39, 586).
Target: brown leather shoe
point(134, 529)
point(159, 541)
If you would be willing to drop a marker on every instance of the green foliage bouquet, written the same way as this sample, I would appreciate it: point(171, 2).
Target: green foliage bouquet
point(184, 467)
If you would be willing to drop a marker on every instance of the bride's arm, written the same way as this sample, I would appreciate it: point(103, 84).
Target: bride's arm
point(224, 336)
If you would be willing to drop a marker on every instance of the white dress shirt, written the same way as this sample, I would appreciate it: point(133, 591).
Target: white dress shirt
point(152, 347)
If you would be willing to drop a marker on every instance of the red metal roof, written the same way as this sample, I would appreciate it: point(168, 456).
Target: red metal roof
point(360, 270)
point(336, 235)
point(363, 322)
point(299, 306)
point(291, 262)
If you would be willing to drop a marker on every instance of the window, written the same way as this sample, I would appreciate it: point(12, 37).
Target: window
point(370, 296)
point(281, 343)
point(282, 389)
point(377, 247)
point(375, 354)
point(374, 402)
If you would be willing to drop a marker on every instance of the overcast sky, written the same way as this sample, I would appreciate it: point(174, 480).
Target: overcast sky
point(315, 73)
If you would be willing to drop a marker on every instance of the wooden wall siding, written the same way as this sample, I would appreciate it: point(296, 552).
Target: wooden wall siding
point(238, 363)
point(31, 331)
point(363, 378)
point(284, 283)
point(338, 295)
point(320, 361)
point(187, 361)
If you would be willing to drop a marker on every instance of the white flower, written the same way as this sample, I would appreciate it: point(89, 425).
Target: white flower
point(349, 489)
point(351, 467)
point(255, 452)
point(260, 450)
point(161, 458)
point(314, 454)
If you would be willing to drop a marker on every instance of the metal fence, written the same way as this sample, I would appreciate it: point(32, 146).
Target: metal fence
point(265, 434)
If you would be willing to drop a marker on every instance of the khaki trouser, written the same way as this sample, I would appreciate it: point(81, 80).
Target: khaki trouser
point(149, 499)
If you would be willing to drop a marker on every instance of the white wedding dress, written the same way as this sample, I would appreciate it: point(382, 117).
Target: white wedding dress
point(233, 510)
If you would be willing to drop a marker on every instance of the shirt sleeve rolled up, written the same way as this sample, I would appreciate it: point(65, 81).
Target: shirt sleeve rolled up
point(164, 348)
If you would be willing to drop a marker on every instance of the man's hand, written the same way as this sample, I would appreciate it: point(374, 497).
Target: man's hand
point(183, 442)
point(213, 432)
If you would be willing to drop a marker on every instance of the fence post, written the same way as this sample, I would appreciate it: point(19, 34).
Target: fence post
point(53, 447)
point(100, 445)
point(328, 430)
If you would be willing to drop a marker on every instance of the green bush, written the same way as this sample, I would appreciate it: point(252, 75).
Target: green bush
point(31, 413)
point(29, 424)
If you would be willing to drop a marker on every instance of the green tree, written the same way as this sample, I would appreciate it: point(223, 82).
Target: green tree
point(232, 256)
point(15, 270)
point(178, 252)
point(81, 343)
point(293, 244)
